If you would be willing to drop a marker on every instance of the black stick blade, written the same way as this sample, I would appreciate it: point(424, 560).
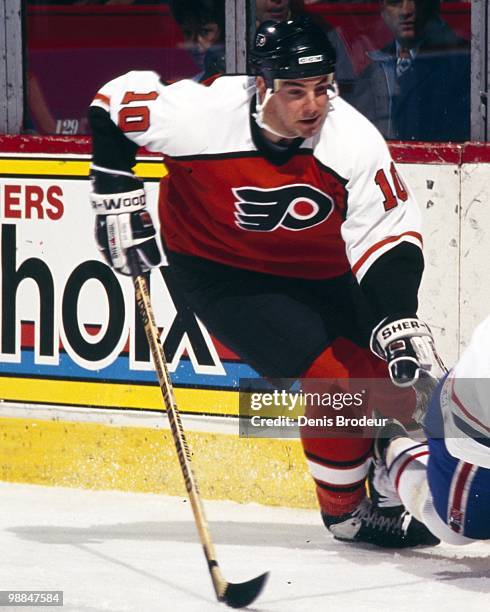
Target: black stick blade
point(239, 595)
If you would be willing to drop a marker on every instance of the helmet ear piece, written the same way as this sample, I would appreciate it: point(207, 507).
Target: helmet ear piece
point(332, 89)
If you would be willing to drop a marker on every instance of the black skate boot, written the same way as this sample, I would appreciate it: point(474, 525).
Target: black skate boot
point(381, 519)
point(393, 528)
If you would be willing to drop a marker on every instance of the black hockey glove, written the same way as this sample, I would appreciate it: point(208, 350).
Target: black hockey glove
point(407, 344)
point(122, 222)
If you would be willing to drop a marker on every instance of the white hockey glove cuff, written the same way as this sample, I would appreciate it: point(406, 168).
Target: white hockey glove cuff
point(118, 203)
point(121, 223)
point(407, 345)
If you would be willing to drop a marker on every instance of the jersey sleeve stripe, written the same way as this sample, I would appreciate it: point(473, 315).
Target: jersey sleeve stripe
point(460, 405)
point(102, 101)
point(474, 434)
point(375, 247)
point(405, 464)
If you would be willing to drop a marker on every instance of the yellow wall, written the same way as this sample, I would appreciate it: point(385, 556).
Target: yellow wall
point(91, 455)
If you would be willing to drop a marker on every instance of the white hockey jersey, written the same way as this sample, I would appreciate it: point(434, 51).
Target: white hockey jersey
point(335, 202)
point(465, 401)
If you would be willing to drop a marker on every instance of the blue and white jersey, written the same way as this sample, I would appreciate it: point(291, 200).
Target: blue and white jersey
point(465, 402)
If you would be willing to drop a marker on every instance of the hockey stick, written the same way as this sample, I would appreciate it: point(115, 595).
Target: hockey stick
point(235, 595)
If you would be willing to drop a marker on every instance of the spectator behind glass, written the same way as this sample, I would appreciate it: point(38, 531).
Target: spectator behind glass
point(273, 10)
point(203, 26)
point(418, 86)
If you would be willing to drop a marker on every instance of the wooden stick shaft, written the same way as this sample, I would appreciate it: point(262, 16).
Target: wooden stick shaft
point(146, 313)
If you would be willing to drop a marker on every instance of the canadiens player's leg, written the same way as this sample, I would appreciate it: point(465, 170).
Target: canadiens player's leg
point(397, 482)
point(402, 471)
point(450, 496)
point(458, 503)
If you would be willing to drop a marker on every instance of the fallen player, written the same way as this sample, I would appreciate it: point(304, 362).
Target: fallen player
point(444, 482)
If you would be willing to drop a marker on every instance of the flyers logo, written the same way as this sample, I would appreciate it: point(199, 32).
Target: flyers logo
point(294, 207)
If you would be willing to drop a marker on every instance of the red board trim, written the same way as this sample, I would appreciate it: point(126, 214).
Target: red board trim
point(402, 152)
point(476, 152)
point(426, 152)
point(53, 145)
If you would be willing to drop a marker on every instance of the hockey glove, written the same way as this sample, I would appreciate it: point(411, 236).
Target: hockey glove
point(407, 345)
point(122, 222)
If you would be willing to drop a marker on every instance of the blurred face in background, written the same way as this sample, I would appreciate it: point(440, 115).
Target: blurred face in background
point(201, 36)
point(271, 10)
point(406, 18)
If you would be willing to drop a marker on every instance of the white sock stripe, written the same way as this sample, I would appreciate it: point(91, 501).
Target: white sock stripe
point(404, 452)
point(406, 463)
point(339, 476)
point(414, 449)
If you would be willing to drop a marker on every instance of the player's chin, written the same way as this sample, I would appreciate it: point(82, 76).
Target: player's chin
point(309, 127)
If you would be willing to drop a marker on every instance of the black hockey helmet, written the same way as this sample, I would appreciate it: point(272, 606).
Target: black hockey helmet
point(294, 49)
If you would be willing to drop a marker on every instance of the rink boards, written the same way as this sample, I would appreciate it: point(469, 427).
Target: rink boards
point(81, 405)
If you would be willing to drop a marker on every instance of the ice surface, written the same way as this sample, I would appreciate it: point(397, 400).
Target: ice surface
point(114, 551)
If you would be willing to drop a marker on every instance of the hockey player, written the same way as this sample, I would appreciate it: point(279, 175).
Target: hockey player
point(286, 224)
point(445, 482)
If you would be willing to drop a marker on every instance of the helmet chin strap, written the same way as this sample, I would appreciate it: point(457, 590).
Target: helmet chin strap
point(259, 115)
point(260, 108)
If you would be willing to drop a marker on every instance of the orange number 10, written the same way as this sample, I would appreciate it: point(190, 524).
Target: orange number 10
point(135, 118)
point(390, 199)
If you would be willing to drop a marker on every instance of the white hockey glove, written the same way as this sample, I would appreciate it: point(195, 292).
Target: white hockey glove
point(407, 345)
point(121, 223)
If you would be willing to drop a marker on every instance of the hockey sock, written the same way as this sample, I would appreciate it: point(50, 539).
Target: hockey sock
point(338, 465)
point(406, 461)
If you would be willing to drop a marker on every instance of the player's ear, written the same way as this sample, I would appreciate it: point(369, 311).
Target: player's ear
point(261, 87)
